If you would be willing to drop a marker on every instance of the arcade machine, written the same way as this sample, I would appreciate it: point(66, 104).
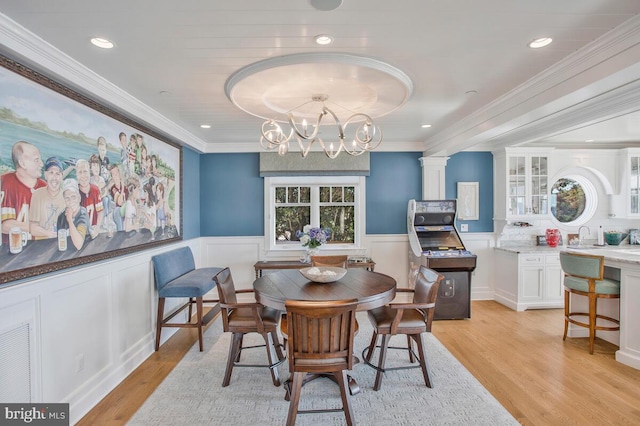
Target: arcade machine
point(435, 243)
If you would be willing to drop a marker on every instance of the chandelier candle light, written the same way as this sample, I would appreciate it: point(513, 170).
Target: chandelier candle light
point(367, 136)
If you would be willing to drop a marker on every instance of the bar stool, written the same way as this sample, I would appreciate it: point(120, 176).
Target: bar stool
point(584, 275)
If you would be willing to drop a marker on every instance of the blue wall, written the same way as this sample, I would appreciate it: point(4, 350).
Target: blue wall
point(231, 191)
point(191, 194)
point(231, 195)
point(473, 167)
point(396, 177)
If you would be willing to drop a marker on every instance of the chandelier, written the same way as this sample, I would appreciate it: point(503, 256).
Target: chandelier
point(366, 136)
point(321, 101)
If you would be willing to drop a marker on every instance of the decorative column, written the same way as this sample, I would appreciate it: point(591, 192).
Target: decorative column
point(433, 177)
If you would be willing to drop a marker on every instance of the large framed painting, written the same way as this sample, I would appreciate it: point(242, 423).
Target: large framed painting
point(79, 182)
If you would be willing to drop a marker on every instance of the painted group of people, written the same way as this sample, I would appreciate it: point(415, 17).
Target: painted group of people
point(103, 197)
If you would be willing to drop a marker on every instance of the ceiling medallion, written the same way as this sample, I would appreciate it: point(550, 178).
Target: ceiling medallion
point(319, 94)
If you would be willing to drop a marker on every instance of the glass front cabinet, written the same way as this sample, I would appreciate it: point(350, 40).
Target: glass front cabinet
point(523, 176)
point(634, 183)
point(629, 205)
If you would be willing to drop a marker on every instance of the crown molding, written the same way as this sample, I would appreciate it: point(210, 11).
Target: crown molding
point(27, 48)
point(586, 77)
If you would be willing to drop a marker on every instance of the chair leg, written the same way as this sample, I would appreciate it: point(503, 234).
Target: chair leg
point(296, 389)
point(412, 359)
point(269, 344)
point(276, 344)
point(240, 348)
point(343, 382)
point(199, 309)
point(383, 355)
point(372, 346)
point(234, 347)
point(566, 314)
point(423, 360)
point(159, 323)
point(593, 310)
point(190, 312)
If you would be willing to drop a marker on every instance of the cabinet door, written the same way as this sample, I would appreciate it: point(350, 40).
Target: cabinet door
point(539, 180)
point(531, 283)
point(634, 186)
point(527, 185)
point(531, 280)
point(553, 278)
point(517, 182)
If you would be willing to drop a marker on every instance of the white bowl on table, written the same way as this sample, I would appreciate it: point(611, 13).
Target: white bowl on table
point(323, 274)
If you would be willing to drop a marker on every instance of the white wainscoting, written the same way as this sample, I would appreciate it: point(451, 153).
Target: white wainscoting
point(91, 326)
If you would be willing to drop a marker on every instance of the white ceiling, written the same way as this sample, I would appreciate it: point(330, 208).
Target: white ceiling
point(474, 78)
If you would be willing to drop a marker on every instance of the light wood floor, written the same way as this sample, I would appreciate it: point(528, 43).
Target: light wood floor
point(518, 356)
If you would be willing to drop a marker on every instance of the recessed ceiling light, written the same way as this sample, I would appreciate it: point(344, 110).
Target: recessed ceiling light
point(323, 39)
point(102, 43)
point(540, 42)
point(426, 126)
point(589, 140)
point(205, 126)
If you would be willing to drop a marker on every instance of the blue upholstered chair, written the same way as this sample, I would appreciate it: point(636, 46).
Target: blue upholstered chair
point(584, 275)
point(176, 276)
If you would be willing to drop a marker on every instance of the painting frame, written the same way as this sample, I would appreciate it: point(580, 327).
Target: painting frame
point(468, 200)
point(151, 214)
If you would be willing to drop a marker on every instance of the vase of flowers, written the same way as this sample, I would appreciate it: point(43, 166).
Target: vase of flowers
point(312, 239)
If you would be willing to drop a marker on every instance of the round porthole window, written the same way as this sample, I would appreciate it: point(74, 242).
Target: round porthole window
point(573, 200)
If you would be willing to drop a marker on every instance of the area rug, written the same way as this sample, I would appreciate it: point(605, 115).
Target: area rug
point(192, 393)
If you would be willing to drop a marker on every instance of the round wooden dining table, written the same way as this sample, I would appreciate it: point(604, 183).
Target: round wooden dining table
point(371, 289)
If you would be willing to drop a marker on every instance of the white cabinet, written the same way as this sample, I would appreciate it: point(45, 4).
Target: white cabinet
point(522, 183)
point(529, 280)
point(626, 202)
point(632, 192)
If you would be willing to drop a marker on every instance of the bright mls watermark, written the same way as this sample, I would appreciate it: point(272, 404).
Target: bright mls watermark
point(34, 414)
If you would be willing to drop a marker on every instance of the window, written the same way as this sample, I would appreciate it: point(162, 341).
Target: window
point(573, 200)
point(333, 203)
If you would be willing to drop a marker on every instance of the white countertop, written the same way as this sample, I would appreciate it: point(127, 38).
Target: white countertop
point(622, 253)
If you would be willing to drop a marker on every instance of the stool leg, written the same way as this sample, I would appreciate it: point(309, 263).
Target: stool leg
point(234, 346)
point(159, 323)
point(593, 308)
point(383, 355)
point(343, 382)
point(296, 388)
point(566, 314)
point(372, 346)
point(270, 345)
point(276, 344)
point(410, 347)
point(423, 360)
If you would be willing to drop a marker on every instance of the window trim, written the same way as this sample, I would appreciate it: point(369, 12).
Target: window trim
point(270, 183)
point(591, 200)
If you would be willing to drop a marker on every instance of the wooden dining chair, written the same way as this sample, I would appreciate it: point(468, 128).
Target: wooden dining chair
point(405, 317)
point(584, 275)
point(245, 317)
point(337, 261)
point(321, 338)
